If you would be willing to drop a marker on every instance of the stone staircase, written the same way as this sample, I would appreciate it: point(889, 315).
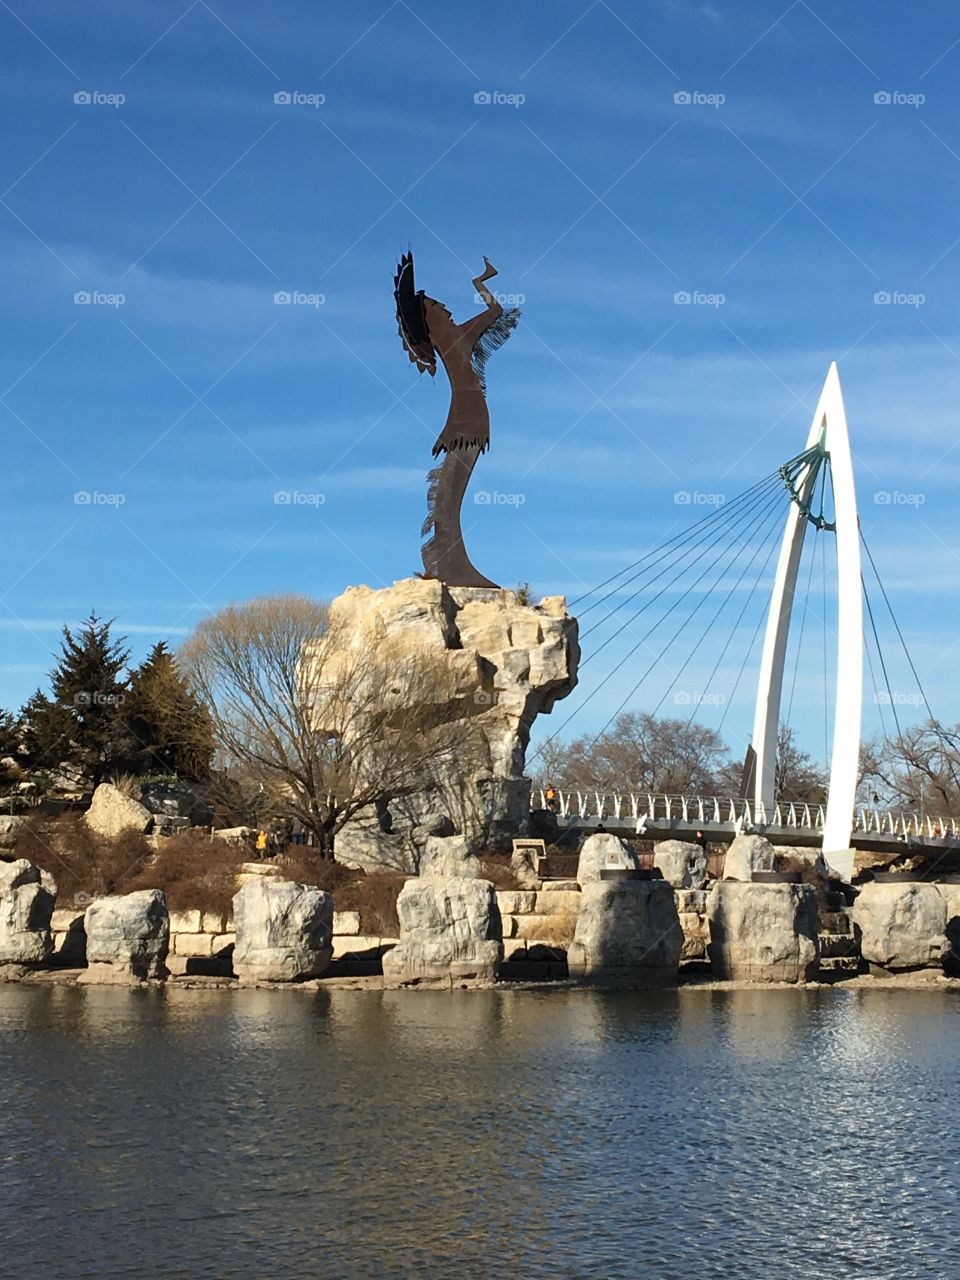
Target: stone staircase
point(538, 928)
point(839, 949)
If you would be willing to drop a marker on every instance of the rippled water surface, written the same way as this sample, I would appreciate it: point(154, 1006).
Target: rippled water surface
point(571, 1134)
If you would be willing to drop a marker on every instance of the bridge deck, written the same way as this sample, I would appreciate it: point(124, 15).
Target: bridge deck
point(720, 819)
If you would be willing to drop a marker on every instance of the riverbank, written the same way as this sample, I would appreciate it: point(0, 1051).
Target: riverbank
point(918, 980)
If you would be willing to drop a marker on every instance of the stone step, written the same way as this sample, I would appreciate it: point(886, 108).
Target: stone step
point(834, 968)
point(559, 886)
point(838, 944)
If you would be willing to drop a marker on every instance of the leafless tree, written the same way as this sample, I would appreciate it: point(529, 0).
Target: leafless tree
point(323, 724)
point(643, 752)
point(918, 770)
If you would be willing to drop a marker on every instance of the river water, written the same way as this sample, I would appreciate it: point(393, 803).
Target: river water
point(351, 1134)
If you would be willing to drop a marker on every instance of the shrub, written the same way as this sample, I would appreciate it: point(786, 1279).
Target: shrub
point(82, 863)
point(195, 872)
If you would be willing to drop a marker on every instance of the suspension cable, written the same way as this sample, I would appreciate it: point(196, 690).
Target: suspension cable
point(727, 598)
point(660, 655)
point(679, 538)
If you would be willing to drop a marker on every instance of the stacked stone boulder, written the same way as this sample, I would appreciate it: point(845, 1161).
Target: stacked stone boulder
point(127, 937)
point(283, 931)
point(604, 852)
point(27, 897)
point(747, 854)
point(763, 932)
point(904, 925)
point(627, 934)
point(450, 926)
point(627, 929)
point(684, 866)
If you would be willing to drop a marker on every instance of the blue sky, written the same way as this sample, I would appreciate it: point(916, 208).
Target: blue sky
point(664, 148)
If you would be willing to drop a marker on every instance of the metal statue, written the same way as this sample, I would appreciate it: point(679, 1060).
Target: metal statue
point(428, 330)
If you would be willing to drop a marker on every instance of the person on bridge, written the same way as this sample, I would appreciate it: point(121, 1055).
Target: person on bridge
point(550, 796)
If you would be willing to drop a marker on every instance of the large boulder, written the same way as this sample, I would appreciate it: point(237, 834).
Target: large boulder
point(10, 824)
point(763, 932)
point(901, 926)
point(604, 852)
point(747, 854)
point(627, 933)
point(450, 931)
point(448, 856)
point(681, 864)
point(128, 936)
point(112, 813)
point(283, 931)
point(178, 800)
point(27, 897)
point(500, 663)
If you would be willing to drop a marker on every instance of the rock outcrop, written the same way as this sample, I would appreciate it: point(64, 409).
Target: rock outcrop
point(10, 824)
point(112, 813)
point(449, 856)
point(27, 897)
point(604, 852)
point(128, 936)
point(177, 800)
point(503, 663)
point(681, 864)
point(901, 926)
point(283, 931)
point(763, 932)
point(627, 933)
point(450, 932)
point(747, 854)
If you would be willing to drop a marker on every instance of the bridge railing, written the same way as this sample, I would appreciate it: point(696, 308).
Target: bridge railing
point(590, 804)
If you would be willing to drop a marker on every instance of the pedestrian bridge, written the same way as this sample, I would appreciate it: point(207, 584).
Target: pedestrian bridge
point(720, 818)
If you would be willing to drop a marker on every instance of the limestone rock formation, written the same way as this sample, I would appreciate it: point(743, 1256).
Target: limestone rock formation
point(283, 931)
point(523, 864)
point(111, 813)
point(628, 932)
point(901, 926)
point(449, 856)
point(10, 824)
point(747, 854)
point(128, 936)
point(184, 800)
point(450, 932)
point(681, 864)
point(505, 663)
point(692, 906)
point(27, 897)
point(763, 932)
point(604, 851)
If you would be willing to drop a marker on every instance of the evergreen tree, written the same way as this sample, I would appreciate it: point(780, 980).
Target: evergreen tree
point(169, 729)
point(81, 727)
point(9, 742)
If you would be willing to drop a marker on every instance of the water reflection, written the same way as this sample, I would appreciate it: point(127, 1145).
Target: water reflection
point(357, 1134)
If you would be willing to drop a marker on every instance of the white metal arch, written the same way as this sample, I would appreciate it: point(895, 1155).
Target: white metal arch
point(828, 429)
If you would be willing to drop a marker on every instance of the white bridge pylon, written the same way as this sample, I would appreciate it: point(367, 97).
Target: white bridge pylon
point(829, 437)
